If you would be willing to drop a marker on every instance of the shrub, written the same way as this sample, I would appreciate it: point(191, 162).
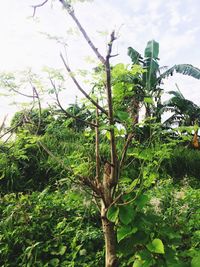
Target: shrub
point(49, 229)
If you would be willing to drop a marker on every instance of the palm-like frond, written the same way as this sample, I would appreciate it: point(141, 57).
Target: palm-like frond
point(183, 109)
point(185, 69)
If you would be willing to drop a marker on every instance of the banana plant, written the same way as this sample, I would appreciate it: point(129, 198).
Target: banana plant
point(184, 112)
point(154, 75)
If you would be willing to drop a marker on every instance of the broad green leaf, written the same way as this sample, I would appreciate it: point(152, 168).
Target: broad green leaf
point(141, 201)
point(108, 135)
point(185, 69)
point(134, 55)
point(132, 185)
point(156, 246)
point(125, 231)
point(150, 76)
point(195, 261)
point(148, 100)
point(62, 250)
point(112, 213)
point(126, 214)
point(152, 49)
point(138, 263)
point(122, 115)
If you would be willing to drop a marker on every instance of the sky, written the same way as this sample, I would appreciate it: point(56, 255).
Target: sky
point(173, 23)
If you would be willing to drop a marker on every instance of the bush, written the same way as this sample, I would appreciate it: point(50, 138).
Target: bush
point(183, 162)
point(161, 227)
point(49, 229)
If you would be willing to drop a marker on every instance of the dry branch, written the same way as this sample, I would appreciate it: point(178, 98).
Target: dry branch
point(70, 11)
point(66, 112)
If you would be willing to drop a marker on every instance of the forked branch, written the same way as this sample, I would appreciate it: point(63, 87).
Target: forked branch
point(37, 6)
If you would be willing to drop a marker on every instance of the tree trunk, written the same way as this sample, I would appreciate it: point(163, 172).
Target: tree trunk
point(110, 241)
point(107, 226)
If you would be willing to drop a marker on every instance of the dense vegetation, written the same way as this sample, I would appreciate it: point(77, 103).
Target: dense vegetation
point(48, 221)
point(93, 183)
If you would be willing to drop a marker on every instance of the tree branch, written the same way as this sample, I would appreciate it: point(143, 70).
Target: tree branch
point(84, 180)
point(97, 146)
point(11, 129)
point(70, 11)
point(18, 92)
point(113, 153)
point(80, 88)
point(66, 112)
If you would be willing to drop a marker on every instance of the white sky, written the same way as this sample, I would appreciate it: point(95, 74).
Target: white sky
point(173, 23)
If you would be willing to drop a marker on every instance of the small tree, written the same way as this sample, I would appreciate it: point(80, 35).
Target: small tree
point(105, 183)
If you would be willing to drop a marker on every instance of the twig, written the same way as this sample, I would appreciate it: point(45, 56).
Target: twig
point(69, 169)
point(66, 112)
point(80, 88)
point(114, 55)
point(84, 180)
point(125, 148)
point(11, 129)
point(39, 5)
point(16, 91)
point(3, 123)
point(40, 107)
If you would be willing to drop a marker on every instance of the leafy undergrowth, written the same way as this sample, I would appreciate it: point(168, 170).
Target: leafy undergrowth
point(49, 229)
point(161, 228)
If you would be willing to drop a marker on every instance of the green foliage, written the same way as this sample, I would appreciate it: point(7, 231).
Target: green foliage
point(23, 165)
point(49, 229)
point(184, 111)
point(26, 167)
point(35, 121)
point(184, 162)
point(156, 246)
point(164, 229)
point(185, 69)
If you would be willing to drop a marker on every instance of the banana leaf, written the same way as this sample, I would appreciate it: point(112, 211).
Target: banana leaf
point(134, 55)
point(185, 69)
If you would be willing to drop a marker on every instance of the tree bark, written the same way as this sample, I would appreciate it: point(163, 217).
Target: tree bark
point(108, 227)
point(110, 243)
point(110, 240)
